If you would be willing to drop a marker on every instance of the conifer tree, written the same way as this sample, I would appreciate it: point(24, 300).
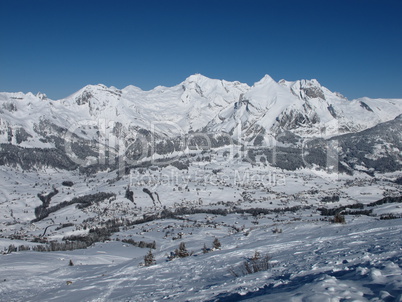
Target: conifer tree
point(205, 249)
point(216, 244)
point(182, 252)
point(149, 259)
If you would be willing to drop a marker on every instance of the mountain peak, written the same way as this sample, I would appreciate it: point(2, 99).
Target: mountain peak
point(95, 87)
point(265, 80)
point(41, 96)
point(197, 77)
point(304, 89)
point(309, 83)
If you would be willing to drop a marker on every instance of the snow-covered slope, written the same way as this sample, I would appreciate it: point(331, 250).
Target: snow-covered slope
point(362, 265)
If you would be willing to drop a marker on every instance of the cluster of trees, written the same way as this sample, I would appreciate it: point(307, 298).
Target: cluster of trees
point(216, 245)
point(181, 165)
point(384, 200)
point(47, 198)
point(53, 246)
point(223, 212)
point(390, 216)
point(42, 211)
point(129, 194)
point(141, 244)
point(258, 211)
point(256, 263)
point(94, 235)
point(355, 147)
point(64, 225)
point(338, 218)
point(336, 210)
point(67, 183)
point(28, 158)
point(149, 259)
point(190, 211)
point(333, 198)
point(180, 252)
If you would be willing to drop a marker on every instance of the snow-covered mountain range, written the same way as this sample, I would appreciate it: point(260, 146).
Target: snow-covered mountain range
point(133, 119)
point(198, 104)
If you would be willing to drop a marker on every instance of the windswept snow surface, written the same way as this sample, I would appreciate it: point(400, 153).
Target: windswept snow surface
point(316, 261)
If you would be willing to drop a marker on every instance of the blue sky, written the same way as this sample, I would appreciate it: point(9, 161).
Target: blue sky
point(57, 47)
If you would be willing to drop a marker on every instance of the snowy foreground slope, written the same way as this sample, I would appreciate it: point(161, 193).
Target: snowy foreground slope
point(312, 259)
point(315, 261)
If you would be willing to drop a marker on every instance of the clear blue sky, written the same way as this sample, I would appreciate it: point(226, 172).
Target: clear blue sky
point(57, 47)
